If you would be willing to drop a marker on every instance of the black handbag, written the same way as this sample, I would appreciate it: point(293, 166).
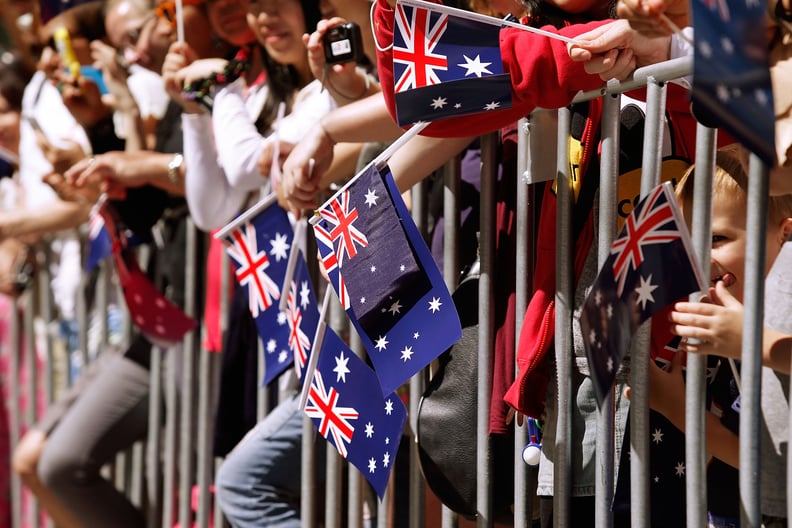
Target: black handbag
point(446, 422)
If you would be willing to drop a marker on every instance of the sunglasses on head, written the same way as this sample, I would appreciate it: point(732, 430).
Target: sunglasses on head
point(167, 10)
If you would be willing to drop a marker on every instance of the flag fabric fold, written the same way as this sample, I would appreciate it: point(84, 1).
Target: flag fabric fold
point(345, 405)
point(385, 276)
point(731, 73)
point(159, 319)
point(446, 63)
point(259, 248)
point(651, 265)
point(100, 246)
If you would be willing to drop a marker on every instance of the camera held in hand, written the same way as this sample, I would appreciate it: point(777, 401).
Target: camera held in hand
point(343, 43)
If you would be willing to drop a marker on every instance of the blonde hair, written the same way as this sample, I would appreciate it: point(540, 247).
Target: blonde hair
point(730, 182)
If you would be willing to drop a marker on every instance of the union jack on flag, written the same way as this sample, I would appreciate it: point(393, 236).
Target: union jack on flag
point(446, 63)
point(340, 226)
point(259, 246)
point(330, 264)
point(252, 264)
point(348, 409)
point(650, 266)
point(299, 342)
point(334, 421)
point(648, 226)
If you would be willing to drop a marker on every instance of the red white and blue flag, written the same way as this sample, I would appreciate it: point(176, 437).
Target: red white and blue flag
point(99, 244)
point(731, 77)
point(347, 408)
point(390, 286)
point(259, 248)
point(651, 265)
point(446, 63)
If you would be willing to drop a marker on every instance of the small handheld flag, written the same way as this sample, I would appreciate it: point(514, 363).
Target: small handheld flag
point(346, 406)
point(651, 265)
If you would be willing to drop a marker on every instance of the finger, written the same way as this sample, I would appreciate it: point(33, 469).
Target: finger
point(723, 296)
point(627, 392)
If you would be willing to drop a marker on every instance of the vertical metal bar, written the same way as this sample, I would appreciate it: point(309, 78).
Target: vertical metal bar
point(171, 419)
point(524, 491)
point(562, 477)
point(695, 377)
point(188, 379)
point(204, 441)
point(608, 194)
point(308, 478)
point(386, 505)
point(31, 378)
point(451, 188)
point(262, 394)
point(354, 482)
point(225, 288)
point(417, 386)
point(15, 418)
point(486, 337)
point(137, 468)
point(82, 331)
point(45, 304)
point(639, 350)
point(751, 366)
point(154, 442)
point(332, 487)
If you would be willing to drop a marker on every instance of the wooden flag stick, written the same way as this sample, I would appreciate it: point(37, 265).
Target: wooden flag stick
point(247, 215)
point(321, 328)
point(299, 232)
point(485, 19)
point(179, 21)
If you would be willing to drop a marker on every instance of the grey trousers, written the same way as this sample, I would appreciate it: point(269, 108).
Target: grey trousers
point(108, 415)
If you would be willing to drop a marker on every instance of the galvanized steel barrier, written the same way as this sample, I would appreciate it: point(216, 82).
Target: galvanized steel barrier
point(176, 463)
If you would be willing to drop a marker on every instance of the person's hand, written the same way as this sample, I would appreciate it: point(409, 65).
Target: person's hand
point(115, 76)
point(651, 17)
point(303, 169)
point(715, 326)
point(270, 163)
point(13, 256)
point(67, 191)
point(111, 173)
point(339, 79)
point(61, 157)
point(83, 99)
point(615, 50)
point(180, 55)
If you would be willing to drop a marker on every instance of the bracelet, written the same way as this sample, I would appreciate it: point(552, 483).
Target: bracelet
point(327, 134)
point(201, 90)
point(366, 87)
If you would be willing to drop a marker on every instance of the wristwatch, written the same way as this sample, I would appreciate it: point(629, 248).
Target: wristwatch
point(173, 168)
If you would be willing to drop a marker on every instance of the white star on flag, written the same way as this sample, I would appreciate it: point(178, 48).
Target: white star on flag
point(369, 430)
point(407, 353)
point(280, 248)
point(680, 469)
point(341, 369)
point(434, 304)
point(657, 436)
point(494, 105)
point(644, 290)
point(372, 466)
point(371, 198)
point(386, 460)
point(388, 411)
point(439, 103)
point(382, 343)
point(475, 66)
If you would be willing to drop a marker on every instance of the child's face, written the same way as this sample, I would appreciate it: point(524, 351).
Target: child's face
point(727, 259)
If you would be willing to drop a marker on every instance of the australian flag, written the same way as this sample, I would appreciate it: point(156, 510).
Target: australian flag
point(650, 266)
point(259, 248)
point(731, 77)
point(446, 63)
point(346, 406)
point(99, 245)
point(384, 275)
point(159, 319)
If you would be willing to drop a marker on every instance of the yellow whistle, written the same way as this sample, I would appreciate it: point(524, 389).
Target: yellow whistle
point(64, 46)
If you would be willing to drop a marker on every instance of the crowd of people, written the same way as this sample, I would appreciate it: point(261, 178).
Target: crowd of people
point(193, 111)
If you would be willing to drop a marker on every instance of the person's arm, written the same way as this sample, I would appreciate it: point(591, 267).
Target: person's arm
point(305, 171)
point(116, 171)
point(29, 224)
point(213, 202)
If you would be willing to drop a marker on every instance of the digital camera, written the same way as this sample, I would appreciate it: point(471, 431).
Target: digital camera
point(342, 43)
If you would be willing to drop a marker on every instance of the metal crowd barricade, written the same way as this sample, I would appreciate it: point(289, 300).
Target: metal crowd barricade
point(178, 457)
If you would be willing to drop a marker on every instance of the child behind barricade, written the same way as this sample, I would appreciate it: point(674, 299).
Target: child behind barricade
point(714, 326)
